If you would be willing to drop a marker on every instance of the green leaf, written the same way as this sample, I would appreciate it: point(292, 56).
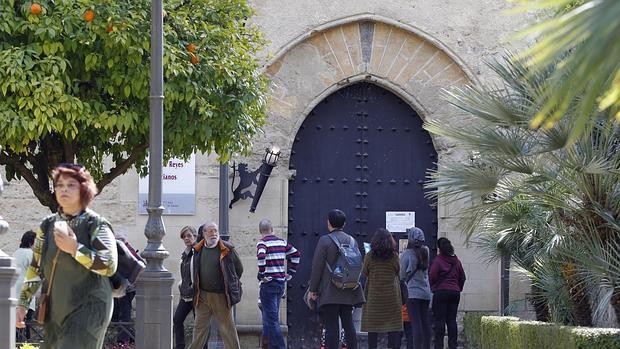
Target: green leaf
point(65, 76)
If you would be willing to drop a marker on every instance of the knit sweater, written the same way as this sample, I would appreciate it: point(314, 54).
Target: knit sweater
point(273, 254)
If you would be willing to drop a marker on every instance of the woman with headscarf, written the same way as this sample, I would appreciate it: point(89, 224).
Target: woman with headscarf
point(382, 311)
point(414, 262)
point(74, 256)
point(447, 278)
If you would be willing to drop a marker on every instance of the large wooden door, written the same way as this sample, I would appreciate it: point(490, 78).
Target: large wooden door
point(362, 150)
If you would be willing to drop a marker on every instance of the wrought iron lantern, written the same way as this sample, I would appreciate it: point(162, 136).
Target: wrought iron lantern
point(246, 178)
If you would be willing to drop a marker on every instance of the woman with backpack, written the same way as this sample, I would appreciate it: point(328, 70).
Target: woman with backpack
point(414, 262)
point(75, 252)
point(447, 278)
point(382, 311)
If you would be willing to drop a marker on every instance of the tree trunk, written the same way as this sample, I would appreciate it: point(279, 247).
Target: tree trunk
point(578, 295)
point(540, 304)
point(615, 303)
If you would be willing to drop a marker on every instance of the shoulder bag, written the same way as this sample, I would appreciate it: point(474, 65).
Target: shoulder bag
point(43, 305)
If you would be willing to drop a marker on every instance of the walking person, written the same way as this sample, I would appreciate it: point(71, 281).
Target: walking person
point(277, 263)
point(447, 279)
point(75, 252)
point(123, 305)
point(335, 303)
point(23, 258)
point(382, 311)
point(186, 286)
point(414, 263)
point(217, 270)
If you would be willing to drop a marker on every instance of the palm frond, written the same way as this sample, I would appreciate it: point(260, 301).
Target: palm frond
point(488, 104)
point(455, 179)
point(599, 268)
point(546, 276)
point(583, 40)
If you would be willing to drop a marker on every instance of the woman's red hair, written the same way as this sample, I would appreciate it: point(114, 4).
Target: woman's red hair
point(88, 189)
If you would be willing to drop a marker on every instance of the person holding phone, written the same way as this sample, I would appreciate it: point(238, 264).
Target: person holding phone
point(73, 257)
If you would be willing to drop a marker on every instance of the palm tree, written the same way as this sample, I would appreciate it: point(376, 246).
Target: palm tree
point(573, 186)
point(582, 35)
point(519, 231)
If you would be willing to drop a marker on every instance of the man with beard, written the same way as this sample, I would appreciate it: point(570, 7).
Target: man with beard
point(217, 269)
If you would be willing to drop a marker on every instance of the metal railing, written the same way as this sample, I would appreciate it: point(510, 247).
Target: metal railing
point(118, 332)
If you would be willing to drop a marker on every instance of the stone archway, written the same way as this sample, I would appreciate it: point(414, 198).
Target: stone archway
point(400, 58)
point(395, 56)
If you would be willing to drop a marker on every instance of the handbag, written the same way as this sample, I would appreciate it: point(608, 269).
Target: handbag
point(43, 306)
point(404, 292)
point(310, 303)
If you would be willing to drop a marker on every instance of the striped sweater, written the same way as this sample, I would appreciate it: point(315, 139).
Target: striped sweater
point(272, 252)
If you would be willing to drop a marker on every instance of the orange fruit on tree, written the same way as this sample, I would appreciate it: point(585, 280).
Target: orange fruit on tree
point(109, 28)
point(35, 9)
point(194, 59)
point(191, 48)
point(89, 15)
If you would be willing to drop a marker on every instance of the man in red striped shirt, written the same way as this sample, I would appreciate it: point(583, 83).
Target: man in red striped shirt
point(277, 263)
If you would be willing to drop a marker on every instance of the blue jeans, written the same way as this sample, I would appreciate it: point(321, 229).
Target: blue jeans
point(270, 295)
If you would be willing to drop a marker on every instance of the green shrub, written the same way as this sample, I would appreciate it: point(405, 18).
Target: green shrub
point(471, 328)
point(601, 338)
point(510, 333)
point(27, 346)
point(536, 334)
point(495, 331)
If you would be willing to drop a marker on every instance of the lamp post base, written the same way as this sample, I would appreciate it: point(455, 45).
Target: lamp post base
point(154, 310)
point(8, 300)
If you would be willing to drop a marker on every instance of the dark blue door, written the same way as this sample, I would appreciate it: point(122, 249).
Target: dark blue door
point(362, 150)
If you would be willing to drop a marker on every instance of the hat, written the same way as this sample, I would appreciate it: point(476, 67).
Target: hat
point(415, 236)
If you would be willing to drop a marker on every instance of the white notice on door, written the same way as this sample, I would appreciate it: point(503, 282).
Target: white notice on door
point(399, 221)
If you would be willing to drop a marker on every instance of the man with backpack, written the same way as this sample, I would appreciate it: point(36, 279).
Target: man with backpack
point(334, 281)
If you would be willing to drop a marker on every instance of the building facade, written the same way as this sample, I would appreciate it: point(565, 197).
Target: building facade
point(351, 84)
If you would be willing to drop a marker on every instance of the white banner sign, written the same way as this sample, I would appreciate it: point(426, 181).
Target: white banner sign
point(399, 221)
point(178, 188)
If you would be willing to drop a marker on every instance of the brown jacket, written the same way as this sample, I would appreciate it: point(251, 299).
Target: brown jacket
point(231, 274)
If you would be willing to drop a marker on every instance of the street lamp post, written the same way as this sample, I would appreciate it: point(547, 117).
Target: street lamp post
point(8, 300)
point(223, 202)
point(154, 287)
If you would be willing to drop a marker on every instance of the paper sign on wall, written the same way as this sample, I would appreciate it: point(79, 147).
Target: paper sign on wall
point(399, 221)
point(178, 188)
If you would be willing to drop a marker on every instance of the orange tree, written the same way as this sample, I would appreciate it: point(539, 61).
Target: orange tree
point(74, 84)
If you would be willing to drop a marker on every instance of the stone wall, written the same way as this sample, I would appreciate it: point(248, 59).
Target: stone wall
point(413, 48)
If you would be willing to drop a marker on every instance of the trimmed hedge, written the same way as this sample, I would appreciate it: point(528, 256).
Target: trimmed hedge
point(471, 328)
point(510, 333)
point(606, 338)
point(496, 332)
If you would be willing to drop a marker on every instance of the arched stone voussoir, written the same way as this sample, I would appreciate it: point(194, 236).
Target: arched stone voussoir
point(396, 56)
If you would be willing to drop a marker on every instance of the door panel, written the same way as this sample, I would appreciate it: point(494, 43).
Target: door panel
point(361, 150)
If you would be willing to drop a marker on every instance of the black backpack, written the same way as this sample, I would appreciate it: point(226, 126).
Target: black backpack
point(348, 267)
point(128, 269)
